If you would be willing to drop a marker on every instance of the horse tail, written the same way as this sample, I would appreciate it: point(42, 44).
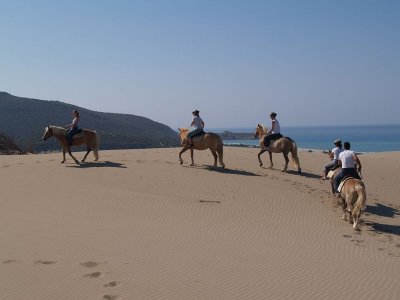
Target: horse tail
point(96, 145)
point(295, 158)
point(220, 151)
point(359, 206)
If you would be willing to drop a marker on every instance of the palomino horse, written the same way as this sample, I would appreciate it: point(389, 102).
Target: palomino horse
point(282, 145)
point(88, 137)
point(208, 140)
point(353, 197)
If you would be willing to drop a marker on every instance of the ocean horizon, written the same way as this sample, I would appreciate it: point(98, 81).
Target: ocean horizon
point(363, 138)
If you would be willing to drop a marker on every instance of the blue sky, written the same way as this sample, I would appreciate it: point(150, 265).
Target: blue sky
point(313, 62)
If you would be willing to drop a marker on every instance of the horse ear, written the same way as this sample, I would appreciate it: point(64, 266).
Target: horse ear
point(48, 126)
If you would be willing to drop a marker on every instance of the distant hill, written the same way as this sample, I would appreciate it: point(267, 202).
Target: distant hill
point(24, 120)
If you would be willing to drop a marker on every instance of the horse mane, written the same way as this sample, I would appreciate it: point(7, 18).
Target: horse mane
point(57, 130)
point(264, 128)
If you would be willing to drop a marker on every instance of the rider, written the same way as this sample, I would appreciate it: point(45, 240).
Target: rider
point(334, 156)
point(197, 124)
point(274, 132)
point(348, 160)
point(73, 127)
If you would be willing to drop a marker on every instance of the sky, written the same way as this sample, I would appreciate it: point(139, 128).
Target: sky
point(312, 62)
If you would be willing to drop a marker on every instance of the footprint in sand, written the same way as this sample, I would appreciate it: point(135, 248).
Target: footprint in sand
point(45, 262)
point(10, 261)
point(90, 264)
point(5, 166)
point(93, 275)
point(111, 284)
point(111, 297)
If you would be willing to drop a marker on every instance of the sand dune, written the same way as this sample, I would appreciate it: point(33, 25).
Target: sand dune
point(137, 225)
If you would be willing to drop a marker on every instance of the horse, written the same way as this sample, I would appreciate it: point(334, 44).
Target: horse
point(207, 140)
point(282, 145)
point(88, 137)
point(353, 197)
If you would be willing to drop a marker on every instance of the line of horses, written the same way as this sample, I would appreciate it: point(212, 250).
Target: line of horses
point(353, 193)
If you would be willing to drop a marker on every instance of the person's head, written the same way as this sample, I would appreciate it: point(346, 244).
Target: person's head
point(272, 115)
point(195, 112)
point(346, 146)
point(75, 112)
point(338, 143)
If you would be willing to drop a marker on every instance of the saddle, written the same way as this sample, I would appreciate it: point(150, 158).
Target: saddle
point(78, 134)
point(197, 137)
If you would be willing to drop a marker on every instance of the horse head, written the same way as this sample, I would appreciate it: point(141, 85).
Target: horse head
point(48, 132)
point(260, 130)
point(183, 132)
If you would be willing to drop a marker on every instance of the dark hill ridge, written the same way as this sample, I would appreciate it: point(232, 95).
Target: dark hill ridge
point(25, 119)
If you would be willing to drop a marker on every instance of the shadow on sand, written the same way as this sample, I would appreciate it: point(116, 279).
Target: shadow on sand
point(99, 164)
point(224, 170)
point(382, 210)
point(386, 228)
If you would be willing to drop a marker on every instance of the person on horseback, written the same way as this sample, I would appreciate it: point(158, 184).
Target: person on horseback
point(197, 125)
point(334, 156)
point(73, 127)
point(348, 161)
point(274, 132)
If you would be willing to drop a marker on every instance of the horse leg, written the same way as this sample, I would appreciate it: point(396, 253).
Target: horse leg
point(215, 157)
point(88, 151)
point(73, 157)
point(344, 209)
point(191, 157)
point(63, 161)
point(185, 148)
point(271, 164)
point(285, 155)
point(259, 157)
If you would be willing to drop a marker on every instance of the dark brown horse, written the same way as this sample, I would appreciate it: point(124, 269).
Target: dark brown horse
point(209, 140)
point(353, 196)
point(88, 137)
point(282, 145)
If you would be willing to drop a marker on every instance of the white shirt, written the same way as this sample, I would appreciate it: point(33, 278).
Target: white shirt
point(197, 122)
point(347, 159)
point(277, 128)
point(336, 151)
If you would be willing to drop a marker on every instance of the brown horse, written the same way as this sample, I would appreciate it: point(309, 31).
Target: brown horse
point(88, 137)
point(353, 197)
point(282, 145)
point(208, 140)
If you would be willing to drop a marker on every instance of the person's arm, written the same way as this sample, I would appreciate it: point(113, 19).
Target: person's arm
point(272, 128)
point(331, 155)
point(358, 162)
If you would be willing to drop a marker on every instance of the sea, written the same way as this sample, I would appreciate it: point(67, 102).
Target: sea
point(363, 138)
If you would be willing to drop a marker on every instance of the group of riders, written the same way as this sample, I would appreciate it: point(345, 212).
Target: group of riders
point(344, 158)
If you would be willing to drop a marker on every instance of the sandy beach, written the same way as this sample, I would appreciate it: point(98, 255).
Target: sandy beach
point(137, 225)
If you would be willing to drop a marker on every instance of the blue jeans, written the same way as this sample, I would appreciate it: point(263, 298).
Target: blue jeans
point(194, 132)
point(330, 166)
point(70, 134)
point(346, 172)
point(272, 136)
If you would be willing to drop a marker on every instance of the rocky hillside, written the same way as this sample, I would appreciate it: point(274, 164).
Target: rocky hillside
point(25, 119)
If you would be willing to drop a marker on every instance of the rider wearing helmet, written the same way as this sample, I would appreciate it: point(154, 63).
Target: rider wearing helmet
point(198, 126)
point(274, 132)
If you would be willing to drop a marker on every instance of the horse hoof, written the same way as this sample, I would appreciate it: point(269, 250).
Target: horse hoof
point(191, 164)
point(63, 162)
point(181, 162)
point(261, 164)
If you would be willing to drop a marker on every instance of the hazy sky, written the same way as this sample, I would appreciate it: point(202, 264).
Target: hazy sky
point(313, 62)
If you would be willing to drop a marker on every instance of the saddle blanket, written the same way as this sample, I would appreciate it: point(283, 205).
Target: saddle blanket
point(343, 182)
point(330, 174)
